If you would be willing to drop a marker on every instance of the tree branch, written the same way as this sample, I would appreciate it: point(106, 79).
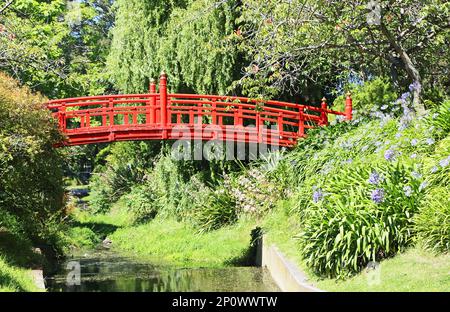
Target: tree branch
point(6, 6)
point(410, 68)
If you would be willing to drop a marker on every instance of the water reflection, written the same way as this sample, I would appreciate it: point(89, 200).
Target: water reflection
point(104, 271)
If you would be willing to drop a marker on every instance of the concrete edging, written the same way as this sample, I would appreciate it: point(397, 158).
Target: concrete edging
point(284, 272)
point(38, 278)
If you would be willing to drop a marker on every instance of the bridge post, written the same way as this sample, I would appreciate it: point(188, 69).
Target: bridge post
point(280, 124)
point(152, 103)
point(214, 112)
point(163, 101)
point(62, 116)
point(301, 122)
point(348, 106)
point(111, 111)
point(259, 127)
point(323, 114)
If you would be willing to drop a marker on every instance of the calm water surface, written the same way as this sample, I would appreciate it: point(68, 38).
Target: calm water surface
point(105, 271)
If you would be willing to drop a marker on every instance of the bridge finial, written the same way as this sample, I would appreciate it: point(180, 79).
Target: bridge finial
point(152, 80)
point(163, 73)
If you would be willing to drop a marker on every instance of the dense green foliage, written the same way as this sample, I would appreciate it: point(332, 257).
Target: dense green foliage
point(31, 193)
point(31, 189)
point(120, 166)
point(186, 38)
point(347, 229)
point(433, 222)
point(57, 47)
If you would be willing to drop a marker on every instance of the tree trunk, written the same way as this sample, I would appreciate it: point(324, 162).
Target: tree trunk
point(410, 68)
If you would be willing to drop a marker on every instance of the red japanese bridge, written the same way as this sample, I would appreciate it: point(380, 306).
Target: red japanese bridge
point(163, 116)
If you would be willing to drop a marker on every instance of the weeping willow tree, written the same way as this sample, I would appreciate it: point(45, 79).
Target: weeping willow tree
point(189, 39)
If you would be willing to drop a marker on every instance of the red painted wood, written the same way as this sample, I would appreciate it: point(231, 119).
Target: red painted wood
point(172, 116)
point(348, 106)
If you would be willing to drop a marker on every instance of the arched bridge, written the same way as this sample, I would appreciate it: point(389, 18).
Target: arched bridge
point(159, 115)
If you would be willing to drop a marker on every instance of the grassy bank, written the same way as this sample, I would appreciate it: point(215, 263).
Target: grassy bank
point(164, 240)
point(413, 270)
point(180, 244)
point(15, 279)
point(17, 258)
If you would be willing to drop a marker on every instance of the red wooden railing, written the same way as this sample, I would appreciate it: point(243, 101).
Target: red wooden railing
point(161, 116)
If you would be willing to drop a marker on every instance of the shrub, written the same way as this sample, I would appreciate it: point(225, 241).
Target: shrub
point(30, 168)
point(217, 210)
point(361, 214)
point(253, 193)
point(101, 194)
point(141, 203)
point(440, 119)
point(437, 165)
point(194, 194)
point(374, 95)
point(432, 223)
point(82, 237)
point(125, 165)
point(168, 184)
point(8, 222)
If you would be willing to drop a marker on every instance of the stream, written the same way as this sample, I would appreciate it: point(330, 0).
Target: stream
point(106, 270)
point(103, 270)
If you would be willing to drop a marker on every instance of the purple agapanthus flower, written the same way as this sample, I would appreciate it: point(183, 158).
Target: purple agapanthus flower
point(416, 175)
point(423, 185)
point(374, 178)
point(403, 124)
point(430, 141)
point(434, 169)
point(414, 86)
point(413, 156)
point(444, 162)
point(377, 196)
point(414, 142)
point(407, 190)
point(389, 154)
point(317, 195)
point(404, 97)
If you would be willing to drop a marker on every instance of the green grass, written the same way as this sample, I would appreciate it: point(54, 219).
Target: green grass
point(16, 259)
point(14, 279)
point(414, 270)
point(88, 230)
point(181, 244)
